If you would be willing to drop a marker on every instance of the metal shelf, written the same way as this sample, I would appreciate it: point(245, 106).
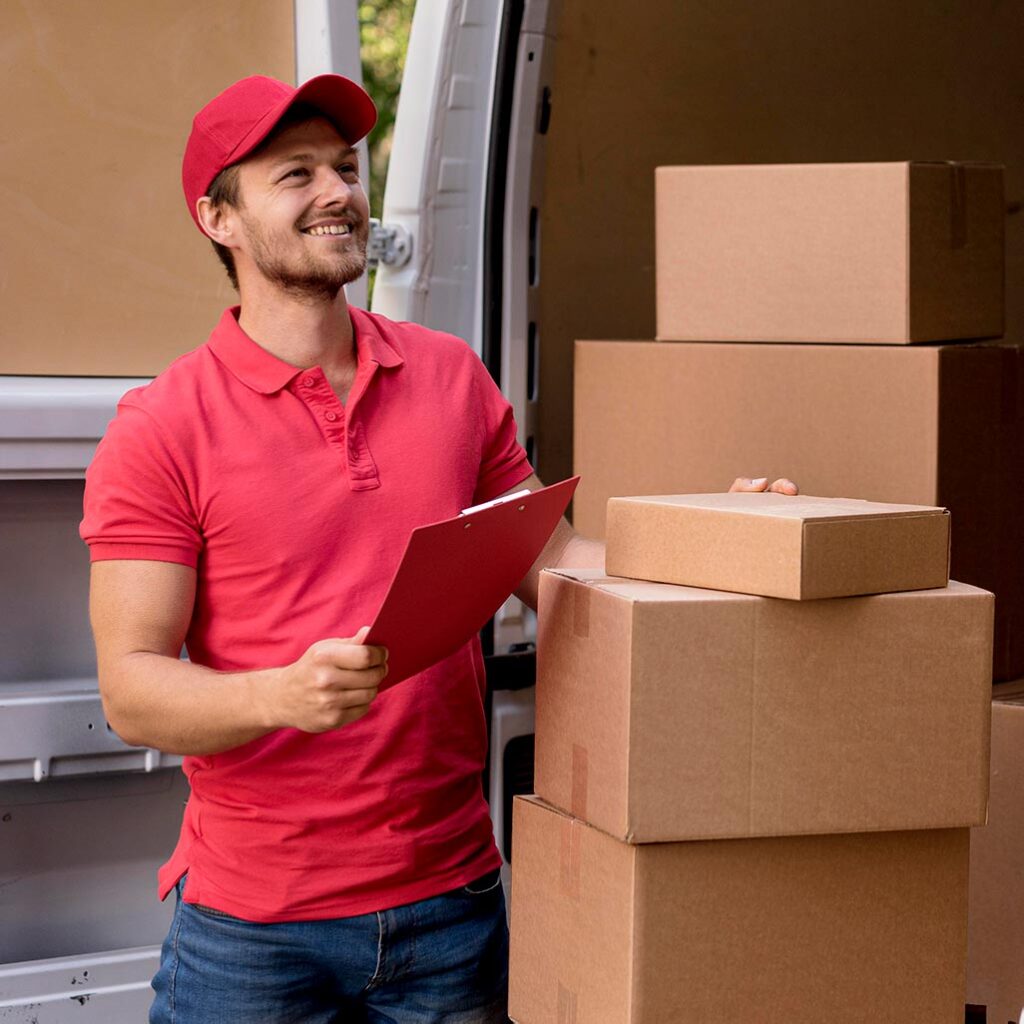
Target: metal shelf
point(56, 729)
point(99, 987)
point(50, 426)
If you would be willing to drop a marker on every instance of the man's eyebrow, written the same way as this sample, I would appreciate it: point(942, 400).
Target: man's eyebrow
point(308, 158)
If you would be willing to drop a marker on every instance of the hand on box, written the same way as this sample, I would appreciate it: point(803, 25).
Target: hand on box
point(780, 486)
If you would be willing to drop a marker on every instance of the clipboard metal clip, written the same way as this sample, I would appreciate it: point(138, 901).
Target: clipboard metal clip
point(497, 501)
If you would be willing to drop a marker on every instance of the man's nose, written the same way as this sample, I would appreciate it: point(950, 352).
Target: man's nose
point(332, 189)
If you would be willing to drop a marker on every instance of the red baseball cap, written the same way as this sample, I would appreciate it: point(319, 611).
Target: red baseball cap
point(234, 123)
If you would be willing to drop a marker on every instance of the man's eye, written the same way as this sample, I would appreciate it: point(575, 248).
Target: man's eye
point(348, 169)
point(298, 172)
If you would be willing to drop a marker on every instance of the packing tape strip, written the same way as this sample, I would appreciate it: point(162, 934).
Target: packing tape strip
point(581, 612)
point(569, 859)
point(958, 205)
point(582, 593)
point(580, 781)
point(567, 1005)
point(1010, 377)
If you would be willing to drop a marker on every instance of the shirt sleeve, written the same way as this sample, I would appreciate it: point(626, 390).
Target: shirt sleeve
point(137, 502)
point(503, 462)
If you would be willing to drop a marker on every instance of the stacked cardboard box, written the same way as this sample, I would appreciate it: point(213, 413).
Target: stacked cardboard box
point(995, 948)
point(814, 258)
point(751, 808)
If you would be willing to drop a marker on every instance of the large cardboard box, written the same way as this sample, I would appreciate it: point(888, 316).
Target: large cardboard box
point(669, 713)
point(104, 272)
point(867, 253)
point(774, 931)
point(995, 947)
point(775, 545)
point(921, 426)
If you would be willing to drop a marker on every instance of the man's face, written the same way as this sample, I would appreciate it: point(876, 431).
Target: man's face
point(303, 213)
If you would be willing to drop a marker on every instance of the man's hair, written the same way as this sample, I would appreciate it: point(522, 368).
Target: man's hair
point(224, 189)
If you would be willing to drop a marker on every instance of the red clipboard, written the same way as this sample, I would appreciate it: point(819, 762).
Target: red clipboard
point(456, 574)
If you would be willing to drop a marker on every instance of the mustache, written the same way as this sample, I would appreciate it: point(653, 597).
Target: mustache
point(353, 220)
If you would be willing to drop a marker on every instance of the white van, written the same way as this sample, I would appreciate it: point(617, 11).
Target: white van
point(518, 214)
point(85, 820)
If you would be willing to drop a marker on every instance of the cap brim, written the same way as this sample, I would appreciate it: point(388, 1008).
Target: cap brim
point(344, 103)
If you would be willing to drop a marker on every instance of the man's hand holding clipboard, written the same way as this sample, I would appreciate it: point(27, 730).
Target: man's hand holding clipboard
point(482, 554)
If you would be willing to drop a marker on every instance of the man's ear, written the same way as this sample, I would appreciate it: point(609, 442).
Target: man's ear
point(216, 221)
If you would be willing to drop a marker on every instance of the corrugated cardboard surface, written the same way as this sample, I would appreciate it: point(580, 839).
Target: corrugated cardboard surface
point(957, 216)
point(923, 426)
point(669, 713)
point(865, 252)
point(736, 83)
point(995, 949)
point(798, 547)
point(773, 931)
point(104, 270)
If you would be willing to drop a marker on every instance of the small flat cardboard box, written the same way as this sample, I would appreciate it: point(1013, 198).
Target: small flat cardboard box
point(906, 425)
point(776, 545)
point(668, 713)
point(844, 929)
point(995, 947)
point(882, 253)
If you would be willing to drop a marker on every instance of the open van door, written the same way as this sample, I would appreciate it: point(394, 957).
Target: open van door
point(472, 116)
point(461, 202)
point(85, 821)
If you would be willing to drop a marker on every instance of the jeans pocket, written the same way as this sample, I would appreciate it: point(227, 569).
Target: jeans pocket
point(484, 885)
point(213, 912)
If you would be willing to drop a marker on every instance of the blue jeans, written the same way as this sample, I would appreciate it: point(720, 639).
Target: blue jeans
point(439, 961)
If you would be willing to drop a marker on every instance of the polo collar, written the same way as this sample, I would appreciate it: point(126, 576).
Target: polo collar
point(258, 369)
point(371, 344)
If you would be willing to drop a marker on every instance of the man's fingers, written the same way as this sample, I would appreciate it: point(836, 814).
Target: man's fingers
point(742, 483)
point(349, 654)
point(361, 635)
point(357, 698)
point(780, 486)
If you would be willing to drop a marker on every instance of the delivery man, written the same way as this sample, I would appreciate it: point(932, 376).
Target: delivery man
point(336, 861)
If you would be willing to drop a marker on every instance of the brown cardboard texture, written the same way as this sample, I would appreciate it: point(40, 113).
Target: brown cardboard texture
point(668, 713)
point(777, 545)
point(995, 948)
point(872, 252)
point(104, 272)
point(912, 425)
point(846, 928)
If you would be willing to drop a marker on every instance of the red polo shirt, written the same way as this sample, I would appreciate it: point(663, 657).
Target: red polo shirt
point(294, 510)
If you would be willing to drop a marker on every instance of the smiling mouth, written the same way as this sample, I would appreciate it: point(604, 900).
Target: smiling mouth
point(328, 229)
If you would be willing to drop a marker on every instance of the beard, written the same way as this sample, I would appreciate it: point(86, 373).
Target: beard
point(309, 275)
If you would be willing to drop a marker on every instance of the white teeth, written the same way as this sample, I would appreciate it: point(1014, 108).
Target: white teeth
point(330, 229)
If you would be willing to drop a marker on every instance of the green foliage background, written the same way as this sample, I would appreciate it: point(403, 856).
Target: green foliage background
point(384, 37)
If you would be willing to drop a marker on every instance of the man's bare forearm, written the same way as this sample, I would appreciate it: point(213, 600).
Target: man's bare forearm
point(582, 553)
point(152, 700)
point(566, 549)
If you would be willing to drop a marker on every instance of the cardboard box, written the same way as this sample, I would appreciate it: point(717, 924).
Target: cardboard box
point(799, 547)
point(104, 272)
point(995, 947)
point(919, 426)
point(773, 931)
point(869, 253)
point(668, 713)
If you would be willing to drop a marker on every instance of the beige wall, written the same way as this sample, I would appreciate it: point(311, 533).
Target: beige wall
point(738, 81)
point(103, 271)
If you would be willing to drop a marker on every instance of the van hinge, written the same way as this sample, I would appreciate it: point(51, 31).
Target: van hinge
point(390, 244)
